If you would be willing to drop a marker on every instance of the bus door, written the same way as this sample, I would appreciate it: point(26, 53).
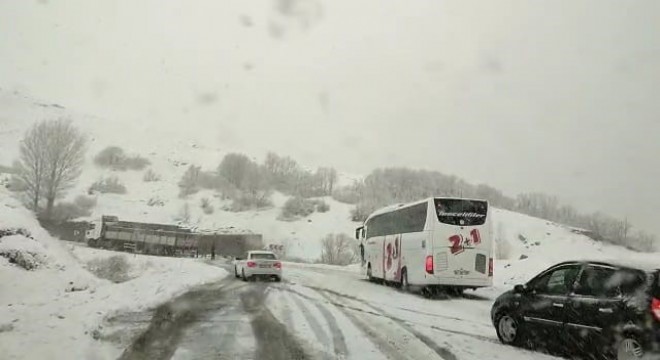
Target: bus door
point(391, 260)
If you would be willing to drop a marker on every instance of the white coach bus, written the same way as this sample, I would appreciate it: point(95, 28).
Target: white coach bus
point(432, 243)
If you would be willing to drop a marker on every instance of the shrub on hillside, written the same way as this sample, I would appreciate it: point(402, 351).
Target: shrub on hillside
point(150, 176)
point(81, 207)
point(361, 211)
point(136, 163)
point(85, 202)
point(115, 268)
point(113, 157)
point(109, 157)
point(346, 195)
point(210, 181)
point(20, 248)
point(322, 207)
point(339, 249)
point(110, 185)
point(189, 183)
point(206, 206)
point(25, 259)
point(155, 201)
point(246, 201)
point(297, 207)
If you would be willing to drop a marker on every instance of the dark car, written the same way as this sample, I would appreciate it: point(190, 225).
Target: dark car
point(607, 310)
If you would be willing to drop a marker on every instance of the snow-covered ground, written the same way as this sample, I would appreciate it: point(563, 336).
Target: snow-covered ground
point(55, 310)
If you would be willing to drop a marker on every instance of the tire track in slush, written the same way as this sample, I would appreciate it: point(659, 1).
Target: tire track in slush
point(338, 340)
point(443, 352)
point(383, 344)
point(160, 339)
point(274, 339)
point(397, 319)
point(387, 315)
point(337, 335)
point(317, 329)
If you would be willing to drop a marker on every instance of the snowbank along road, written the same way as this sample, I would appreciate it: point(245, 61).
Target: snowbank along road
point(319, 314)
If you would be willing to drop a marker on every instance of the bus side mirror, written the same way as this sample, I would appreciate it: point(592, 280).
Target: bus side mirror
point(358, 232)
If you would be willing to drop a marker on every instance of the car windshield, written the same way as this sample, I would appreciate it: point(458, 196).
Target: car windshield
point(329, 179)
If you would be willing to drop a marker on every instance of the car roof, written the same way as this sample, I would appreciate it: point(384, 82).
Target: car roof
point(639, 264)
point(261, 252)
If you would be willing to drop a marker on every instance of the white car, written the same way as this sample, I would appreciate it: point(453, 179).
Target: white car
point(258, 264)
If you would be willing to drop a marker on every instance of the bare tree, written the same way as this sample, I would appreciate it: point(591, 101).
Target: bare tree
point(184, 214)
point(235, 168)
point(31, 165)
point(338, 249)
point(189, 182)
point(51, 158)
point(327, 178)
point(65, 155)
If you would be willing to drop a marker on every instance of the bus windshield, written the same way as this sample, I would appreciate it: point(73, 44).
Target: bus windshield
point(461, 212)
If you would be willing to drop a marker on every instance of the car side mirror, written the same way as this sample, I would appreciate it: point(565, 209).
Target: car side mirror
point(520, 289)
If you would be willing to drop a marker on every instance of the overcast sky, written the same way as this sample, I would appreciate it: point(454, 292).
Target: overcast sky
point(555, 96)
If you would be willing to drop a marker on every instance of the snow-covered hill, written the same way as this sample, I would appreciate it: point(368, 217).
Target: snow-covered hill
point(170, 151)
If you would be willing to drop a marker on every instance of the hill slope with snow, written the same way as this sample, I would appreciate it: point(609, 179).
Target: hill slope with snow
point(52, 307)
point(171, 151)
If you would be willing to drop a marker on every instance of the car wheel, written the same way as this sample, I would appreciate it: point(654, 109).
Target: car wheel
point(629, 348)
point(508, 329)
point(243, 275)
point(404, 285)
point(278, 279)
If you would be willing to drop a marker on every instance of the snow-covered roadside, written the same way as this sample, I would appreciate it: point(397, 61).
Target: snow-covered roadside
point(55, 310)
point(60, 324)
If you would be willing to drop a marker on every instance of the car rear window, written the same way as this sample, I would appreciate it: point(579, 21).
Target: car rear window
point(609, 282)
point(264, 256)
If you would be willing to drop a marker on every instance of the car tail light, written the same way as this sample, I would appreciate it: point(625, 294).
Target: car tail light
point(655, 308)
point(251, 264)
point(278, 265)
point(429, 264)
point(490, 267)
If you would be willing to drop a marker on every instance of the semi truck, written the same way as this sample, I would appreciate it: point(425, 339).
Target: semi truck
point(167, 240)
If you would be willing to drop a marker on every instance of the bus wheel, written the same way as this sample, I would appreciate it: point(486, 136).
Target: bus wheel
point(455, 291)
point(404, 285)
point(428, 292)
point(369, 276)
